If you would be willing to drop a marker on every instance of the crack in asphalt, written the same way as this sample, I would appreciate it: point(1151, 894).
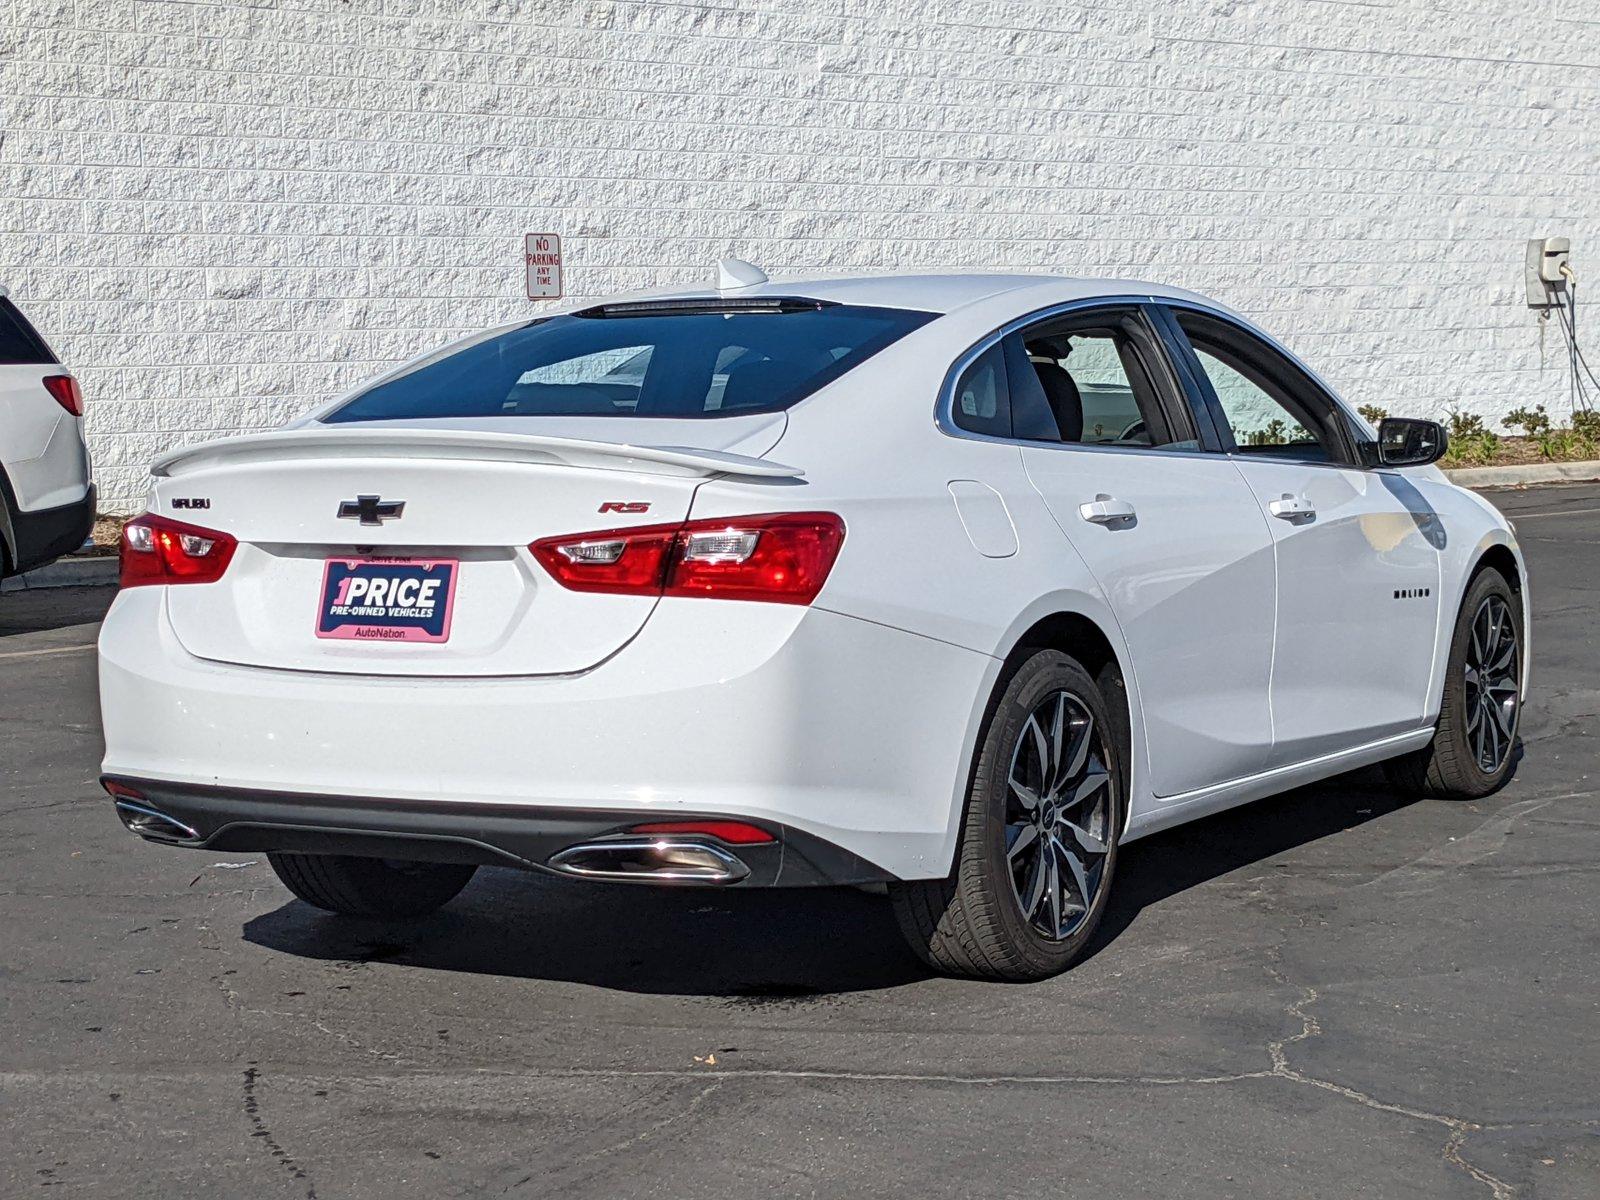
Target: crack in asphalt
point(45, 806)
point(1475, 848)
point(259, 1129)
point(232, 1001)
point(1482, 843)
point(1460, 1128)
point(648, 1132)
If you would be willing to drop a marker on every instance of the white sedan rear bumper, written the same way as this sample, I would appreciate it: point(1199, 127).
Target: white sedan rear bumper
point(850, 731)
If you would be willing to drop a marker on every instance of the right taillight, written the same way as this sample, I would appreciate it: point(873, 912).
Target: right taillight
point(158, 550)
point(779, 558)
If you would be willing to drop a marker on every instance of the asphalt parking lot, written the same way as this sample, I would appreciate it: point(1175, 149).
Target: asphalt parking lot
point(1338, 992)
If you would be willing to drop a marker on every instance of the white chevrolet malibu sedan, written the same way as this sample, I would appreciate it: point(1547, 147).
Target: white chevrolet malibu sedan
point(953, 584)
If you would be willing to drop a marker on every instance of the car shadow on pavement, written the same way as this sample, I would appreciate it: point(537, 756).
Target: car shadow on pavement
point(768, 945)
point(1165, 864)
point(763, 945)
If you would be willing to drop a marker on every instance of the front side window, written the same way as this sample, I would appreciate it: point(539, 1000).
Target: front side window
point(1269, 405)
point(648, 361)
point(1257, 420)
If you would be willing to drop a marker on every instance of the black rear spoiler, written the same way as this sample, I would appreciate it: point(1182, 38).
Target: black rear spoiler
point(688, 306)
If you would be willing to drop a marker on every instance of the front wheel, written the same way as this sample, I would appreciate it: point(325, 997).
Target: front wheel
point(1039, 842)
point(1473, 747)
point(370, 887)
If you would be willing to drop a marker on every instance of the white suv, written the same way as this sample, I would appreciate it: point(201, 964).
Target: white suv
point(46, 489)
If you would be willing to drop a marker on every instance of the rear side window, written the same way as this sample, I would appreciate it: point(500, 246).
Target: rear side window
point(693, 360)
point(982, 398)
point(19, 341)
point(1083, 379)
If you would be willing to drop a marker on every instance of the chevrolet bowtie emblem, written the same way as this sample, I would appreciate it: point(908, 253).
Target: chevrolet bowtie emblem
point(371, 510)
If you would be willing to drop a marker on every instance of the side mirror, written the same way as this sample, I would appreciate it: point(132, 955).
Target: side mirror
point(1409, 442)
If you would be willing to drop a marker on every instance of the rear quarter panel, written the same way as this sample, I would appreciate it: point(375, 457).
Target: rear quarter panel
point(871, 452)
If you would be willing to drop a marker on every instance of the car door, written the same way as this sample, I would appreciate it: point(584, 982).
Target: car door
point(1172, 535)
point(1357, 548)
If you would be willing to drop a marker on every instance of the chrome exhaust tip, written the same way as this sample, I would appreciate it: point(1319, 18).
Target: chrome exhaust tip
point(651, 860)
point(154, 824)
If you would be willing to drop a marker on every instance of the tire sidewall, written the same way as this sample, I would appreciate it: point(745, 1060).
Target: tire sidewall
point(1471, 778)
point(1042, 674)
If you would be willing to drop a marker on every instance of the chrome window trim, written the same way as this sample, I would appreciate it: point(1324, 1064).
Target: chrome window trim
point(944, 406)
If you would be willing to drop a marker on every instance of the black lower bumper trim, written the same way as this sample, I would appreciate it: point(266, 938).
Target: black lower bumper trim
point(45, 535)
point(240, 819)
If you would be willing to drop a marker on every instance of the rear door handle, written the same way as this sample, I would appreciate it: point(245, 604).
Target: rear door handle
point(1289, 507)
point(1106, 510)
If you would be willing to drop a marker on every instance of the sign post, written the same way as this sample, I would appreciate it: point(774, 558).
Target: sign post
point(541, 253)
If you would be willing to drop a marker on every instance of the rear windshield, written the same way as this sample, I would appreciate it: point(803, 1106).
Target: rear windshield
point(650, 363)
point(19, 342)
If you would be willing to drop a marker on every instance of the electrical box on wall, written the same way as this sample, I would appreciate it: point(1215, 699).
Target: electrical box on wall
point(1545, 260)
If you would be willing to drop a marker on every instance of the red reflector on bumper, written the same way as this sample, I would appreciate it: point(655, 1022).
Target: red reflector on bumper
point(735, 833)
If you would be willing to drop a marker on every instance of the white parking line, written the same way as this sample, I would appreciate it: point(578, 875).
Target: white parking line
point(1563, 512)
point(47, 650)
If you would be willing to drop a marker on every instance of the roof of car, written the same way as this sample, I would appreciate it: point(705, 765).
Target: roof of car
point(939, 293)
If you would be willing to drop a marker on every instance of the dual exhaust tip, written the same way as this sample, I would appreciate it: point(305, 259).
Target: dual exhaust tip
point(666, 852)
point(652, 860)
point(155, 824)
point(143, 818)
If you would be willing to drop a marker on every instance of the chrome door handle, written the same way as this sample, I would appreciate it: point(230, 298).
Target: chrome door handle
point(1290, 507)
point(1106, 510)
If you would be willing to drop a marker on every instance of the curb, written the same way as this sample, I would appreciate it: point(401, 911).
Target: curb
point(1526, 474)
point(95, 571)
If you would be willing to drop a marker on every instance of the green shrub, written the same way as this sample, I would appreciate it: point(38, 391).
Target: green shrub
point(1555, 444)
point(1475, 448)
point(1534, 422)
point(1464, 426)
point(1373, 412)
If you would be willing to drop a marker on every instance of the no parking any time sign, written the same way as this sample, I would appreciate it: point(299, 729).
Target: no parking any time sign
point(542, 254)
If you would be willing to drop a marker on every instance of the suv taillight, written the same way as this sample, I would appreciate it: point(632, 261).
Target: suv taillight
point(782, 558)
point(66, 391)
point(157, 550)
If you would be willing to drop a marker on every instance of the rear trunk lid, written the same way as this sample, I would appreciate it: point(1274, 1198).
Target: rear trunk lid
point(471, 497)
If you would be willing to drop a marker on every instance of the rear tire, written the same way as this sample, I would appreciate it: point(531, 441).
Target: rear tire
point(1474, 746)
point(1038, 844)
point(370, 887)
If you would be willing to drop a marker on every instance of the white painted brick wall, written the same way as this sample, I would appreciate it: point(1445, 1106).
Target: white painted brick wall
point(221, 213)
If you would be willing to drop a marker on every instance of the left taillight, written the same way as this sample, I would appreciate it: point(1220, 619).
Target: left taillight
point(779, 558)
point(66, 391)
point(158, 550)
